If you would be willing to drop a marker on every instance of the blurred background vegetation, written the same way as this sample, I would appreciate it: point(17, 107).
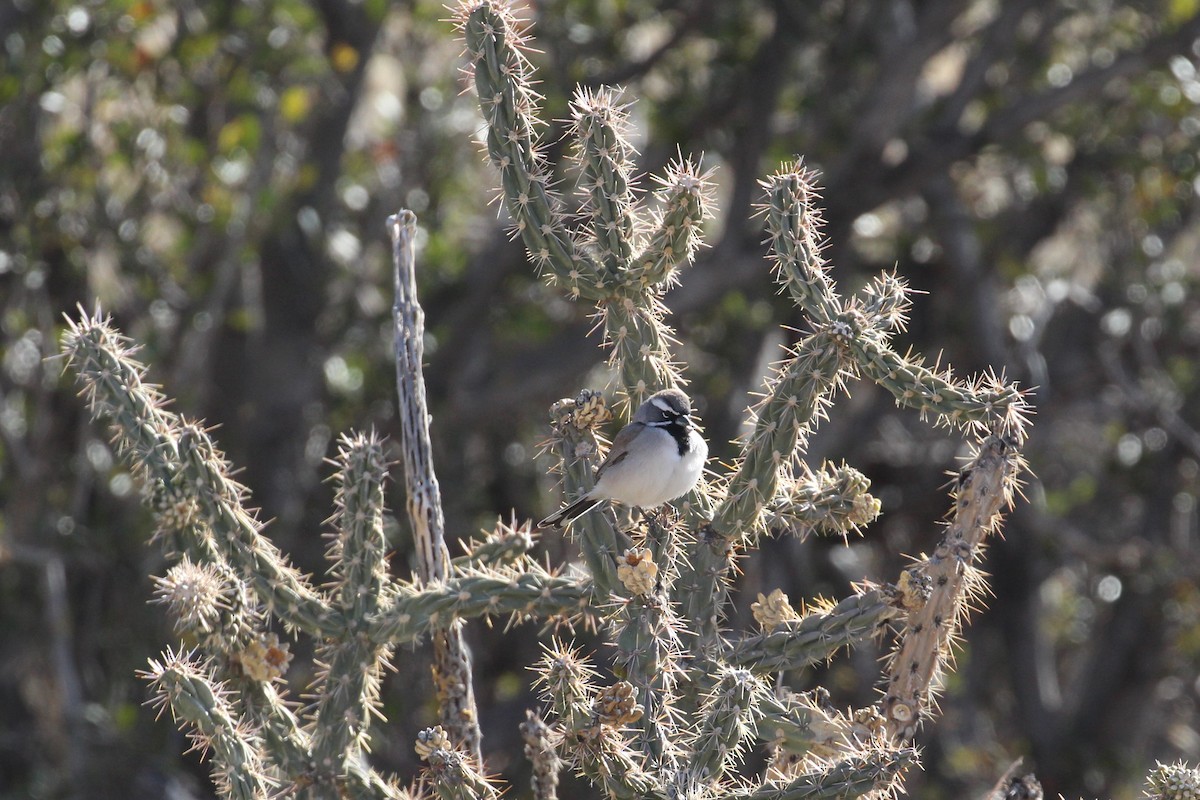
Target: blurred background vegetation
point(217, 174)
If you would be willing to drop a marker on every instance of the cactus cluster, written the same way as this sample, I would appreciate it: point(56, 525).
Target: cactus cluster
point(669, 579)
point(687, 698)
point(229, 583)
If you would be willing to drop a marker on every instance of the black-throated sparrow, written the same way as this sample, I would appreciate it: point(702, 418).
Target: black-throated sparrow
point(655, 458)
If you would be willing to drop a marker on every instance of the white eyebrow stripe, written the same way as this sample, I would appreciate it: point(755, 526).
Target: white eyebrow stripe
point(663, 405)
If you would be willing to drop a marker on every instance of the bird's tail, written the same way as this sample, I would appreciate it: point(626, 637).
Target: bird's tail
point(571, 513)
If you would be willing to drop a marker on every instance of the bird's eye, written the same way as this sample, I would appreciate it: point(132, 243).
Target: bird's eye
point(668, 411)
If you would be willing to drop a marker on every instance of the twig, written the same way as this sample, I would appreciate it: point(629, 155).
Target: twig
point(58, 619)
point(451, 658)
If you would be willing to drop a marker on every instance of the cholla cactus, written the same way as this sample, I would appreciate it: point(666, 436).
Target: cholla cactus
point(200, 701)
point(688, 699)
point(622, 260)
point(666, 581)
point(231, 583)
point(619, 259)
point(1175, 781)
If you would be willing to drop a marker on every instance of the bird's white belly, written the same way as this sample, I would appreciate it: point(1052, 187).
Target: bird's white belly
point(656, 473)
point(687, 471)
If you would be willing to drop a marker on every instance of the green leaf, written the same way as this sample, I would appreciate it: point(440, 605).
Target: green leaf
point(242, 131)
point(295, 103)
point(1180, 11)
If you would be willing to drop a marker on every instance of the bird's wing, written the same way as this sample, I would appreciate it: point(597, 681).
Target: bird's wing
point(620, 446)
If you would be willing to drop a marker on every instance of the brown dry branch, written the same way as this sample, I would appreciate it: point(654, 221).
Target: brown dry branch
point(451, 658)
point(938, 591)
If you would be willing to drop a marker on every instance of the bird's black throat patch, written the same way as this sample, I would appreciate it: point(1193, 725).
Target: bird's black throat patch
point(680, 433)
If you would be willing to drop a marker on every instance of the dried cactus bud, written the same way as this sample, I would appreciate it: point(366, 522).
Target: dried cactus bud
point(617, 705)
point(913, 588)
point(431, 739)
point(867, 723)
point(1175, 781)
point(560, 412)
point(195, 596)
point(591, 410)
point(585, 411)
point(638, 572)
point(266, 658)
point(865, 510)
point(772, 610)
